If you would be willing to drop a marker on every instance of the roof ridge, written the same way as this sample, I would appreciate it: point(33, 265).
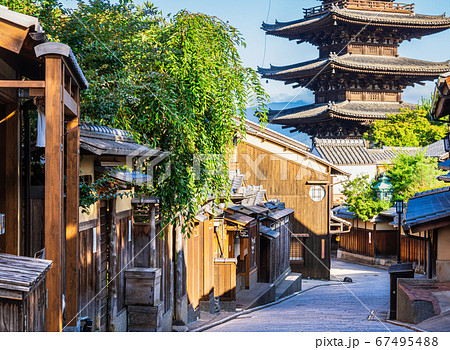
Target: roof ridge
point(430, 192)
point(105, 130)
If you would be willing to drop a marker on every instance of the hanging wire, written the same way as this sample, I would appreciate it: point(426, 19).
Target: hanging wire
point(265, 36)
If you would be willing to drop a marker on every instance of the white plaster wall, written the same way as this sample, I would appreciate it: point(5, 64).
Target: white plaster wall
point(354, 171)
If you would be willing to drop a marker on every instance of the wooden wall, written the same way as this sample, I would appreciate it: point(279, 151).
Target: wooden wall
point(200, 263)
point(414, 250)
point(24, 315)
point(286, 179)
point(274, 255)
point(225, 280)
point(91, 279)
point(163, 257)
point(2, 175)
point(103, 257)
point(379, 244)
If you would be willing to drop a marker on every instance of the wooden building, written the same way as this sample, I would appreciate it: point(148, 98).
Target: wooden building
point(427, 219)
point(105, 245)
point(361, 76)
point(288, 172)
point(36, 72)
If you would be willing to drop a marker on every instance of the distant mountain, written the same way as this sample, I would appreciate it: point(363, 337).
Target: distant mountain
point(299, 136)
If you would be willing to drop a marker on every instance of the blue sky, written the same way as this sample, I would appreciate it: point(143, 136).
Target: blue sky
point(247, 16)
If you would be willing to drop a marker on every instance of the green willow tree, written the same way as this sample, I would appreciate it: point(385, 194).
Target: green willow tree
point(192, 103)
point(409, 128)
point(176, 83)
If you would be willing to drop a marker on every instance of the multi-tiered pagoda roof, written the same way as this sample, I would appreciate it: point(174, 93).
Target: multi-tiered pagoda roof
point(358, 77)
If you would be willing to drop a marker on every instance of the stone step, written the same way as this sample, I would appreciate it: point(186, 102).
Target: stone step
point(290, 284)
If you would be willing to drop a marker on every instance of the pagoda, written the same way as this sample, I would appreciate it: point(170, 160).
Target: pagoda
point(359, 76)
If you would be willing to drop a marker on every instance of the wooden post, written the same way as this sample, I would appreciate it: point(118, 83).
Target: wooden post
point(374, 239)
point(12, 181)
point(54, 187)
point(179, 261)
point(153, 257)
point(72, 205)
point(113, 268)
point(170, 246)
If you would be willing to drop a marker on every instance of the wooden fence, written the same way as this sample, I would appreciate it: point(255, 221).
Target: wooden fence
point(105, 251)
point(369, 242)
point(414, 250)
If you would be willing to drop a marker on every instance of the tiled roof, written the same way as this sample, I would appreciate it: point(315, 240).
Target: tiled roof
point(352, 152)
point(378, 64)
point(445, 178)
point(371, 17)
point(294, 145)
point(436, 149)
point(444, 165)
point(343, 212)
point(102, 140)
point(353, 110)
point(427, 207)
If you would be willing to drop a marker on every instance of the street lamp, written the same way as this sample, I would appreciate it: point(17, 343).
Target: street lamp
point(384, 189)
point(399, 208)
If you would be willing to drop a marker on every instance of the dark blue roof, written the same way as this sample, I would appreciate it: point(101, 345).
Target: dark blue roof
point(429, 206)
point(444, 165)
point(343, 212)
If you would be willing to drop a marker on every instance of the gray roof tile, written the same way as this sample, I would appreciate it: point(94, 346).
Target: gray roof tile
point(353, 110)
point(428, 206)
point(356, 151)
point(385, 64)
point(376, 17)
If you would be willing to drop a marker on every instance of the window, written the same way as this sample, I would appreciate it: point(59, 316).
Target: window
point(317, 193)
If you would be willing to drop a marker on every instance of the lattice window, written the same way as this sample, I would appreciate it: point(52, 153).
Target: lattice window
point(297, 249)
point(317, 193)
point(374, 96)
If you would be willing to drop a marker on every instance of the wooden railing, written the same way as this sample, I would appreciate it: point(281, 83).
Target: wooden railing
point(383, 6)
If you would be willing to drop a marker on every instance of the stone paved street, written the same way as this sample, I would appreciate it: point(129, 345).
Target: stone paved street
point(326, 308)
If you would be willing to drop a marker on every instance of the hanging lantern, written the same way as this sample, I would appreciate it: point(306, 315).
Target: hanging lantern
point(384, 189)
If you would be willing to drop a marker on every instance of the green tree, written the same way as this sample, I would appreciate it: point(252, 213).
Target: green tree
point(176, 83)
point(361, 198)
point(411, 174)
point(408, 174)
point(49, 12)
point(193, 102)
point(409, 128)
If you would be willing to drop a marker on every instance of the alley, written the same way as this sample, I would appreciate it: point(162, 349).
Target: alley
point(326, 308)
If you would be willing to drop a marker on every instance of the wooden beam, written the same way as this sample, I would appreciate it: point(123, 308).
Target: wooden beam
point(12, 36)
point(12, 181)
point(72, 213)
point(22, 84)
point(71, 106)
point(54, 170)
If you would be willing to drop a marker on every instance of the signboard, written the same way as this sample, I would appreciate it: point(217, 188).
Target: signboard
point(243, 234)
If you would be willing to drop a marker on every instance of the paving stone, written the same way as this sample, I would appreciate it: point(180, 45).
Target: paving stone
point(327, 308)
